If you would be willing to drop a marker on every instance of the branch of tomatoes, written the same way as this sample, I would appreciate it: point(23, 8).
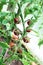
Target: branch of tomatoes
point(17, 50)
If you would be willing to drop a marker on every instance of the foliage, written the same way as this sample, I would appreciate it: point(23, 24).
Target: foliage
point(10, 42)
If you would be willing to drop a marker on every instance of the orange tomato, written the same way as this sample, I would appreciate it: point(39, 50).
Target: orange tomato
point(11, 44)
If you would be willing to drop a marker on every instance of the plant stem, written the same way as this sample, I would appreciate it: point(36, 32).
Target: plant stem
point(7, 58)
point(22, 21)
point(5, 54)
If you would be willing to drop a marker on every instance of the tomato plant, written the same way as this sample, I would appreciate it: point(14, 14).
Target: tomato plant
point(12, 39)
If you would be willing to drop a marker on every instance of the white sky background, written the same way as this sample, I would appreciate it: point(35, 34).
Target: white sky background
point(33, 45)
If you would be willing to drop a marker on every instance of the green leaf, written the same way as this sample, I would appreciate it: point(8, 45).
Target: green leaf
point(38, 26)
point(4, 45)
point(3, 1)
point(4, 22)
point(13, 57)
point(3, 64)
point(25, 62)
point(24, 1)
point(40, 43)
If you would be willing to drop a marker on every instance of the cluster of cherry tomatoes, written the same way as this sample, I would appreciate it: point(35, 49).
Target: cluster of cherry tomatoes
point(15, 34)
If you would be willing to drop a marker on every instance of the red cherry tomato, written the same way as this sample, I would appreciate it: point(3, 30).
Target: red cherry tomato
point(16, 20)
point(28, 22)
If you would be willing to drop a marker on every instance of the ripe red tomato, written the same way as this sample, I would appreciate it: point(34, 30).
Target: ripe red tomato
point(16, 20)
point(28, 22)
